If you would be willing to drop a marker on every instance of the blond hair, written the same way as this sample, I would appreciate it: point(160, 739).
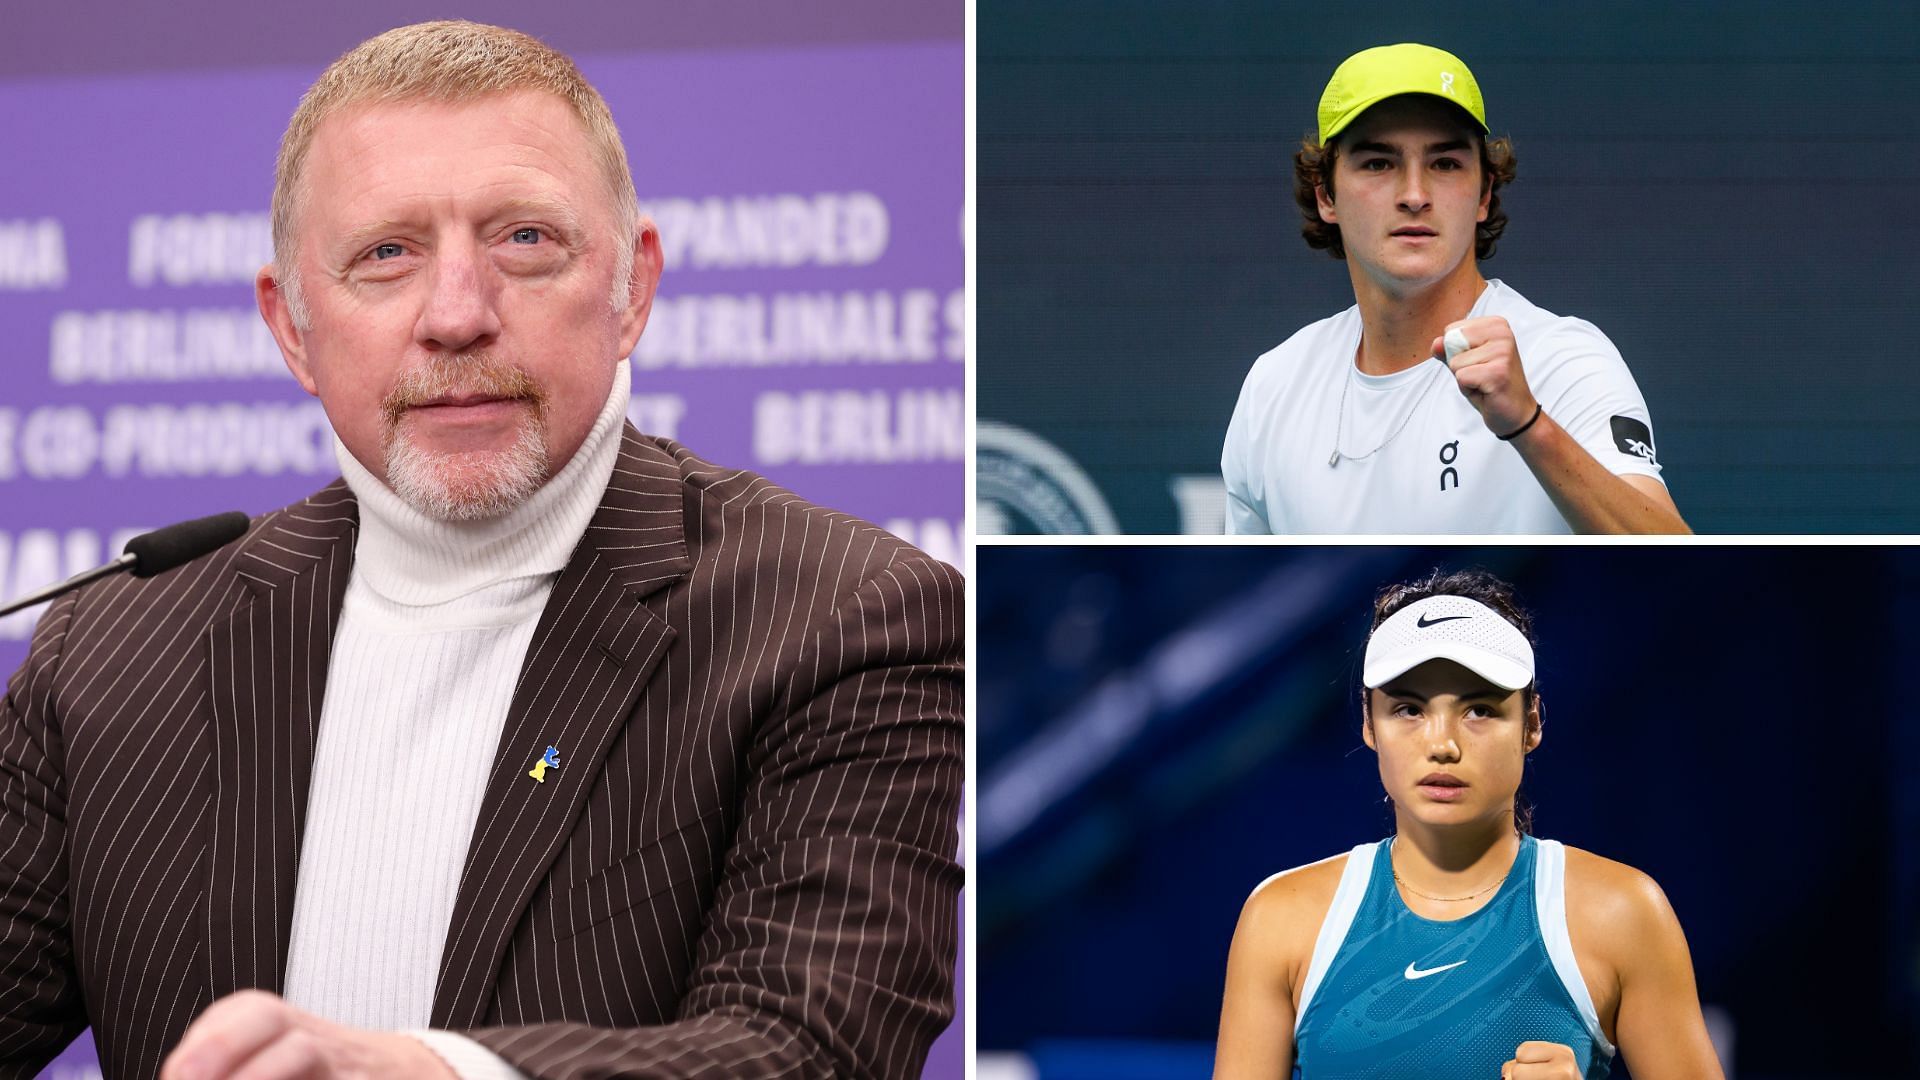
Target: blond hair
point(448, 61)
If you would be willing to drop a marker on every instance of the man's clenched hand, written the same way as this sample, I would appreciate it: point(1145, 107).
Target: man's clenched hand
point(254, 1035)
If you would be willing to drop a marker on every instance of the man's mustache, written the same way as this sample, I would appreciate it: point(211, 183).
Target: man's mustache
point(462, 375)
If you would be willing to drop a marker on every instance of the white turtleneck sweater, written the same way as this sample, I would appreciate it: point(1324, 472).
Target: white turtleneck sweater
point(432, 635)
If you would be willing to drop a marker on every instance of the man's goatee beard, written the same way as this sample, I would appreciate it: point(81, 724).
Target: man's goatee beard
point(470, 485)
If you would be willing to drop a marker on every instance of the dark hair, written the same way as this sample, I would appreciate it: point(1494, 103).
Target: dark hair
point(1313, 167)
point(1477, 585)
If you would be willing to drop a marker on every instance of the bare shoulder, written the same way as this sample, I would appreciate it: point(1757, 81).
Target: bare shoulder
point(1612, 886)
point(1615, 908)
point(1282, 917)
point(1303, 887)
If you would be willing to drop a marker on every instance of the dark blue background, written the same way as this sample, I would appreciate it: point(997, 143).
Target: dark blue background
point(1725, 189)
point(1737, 722)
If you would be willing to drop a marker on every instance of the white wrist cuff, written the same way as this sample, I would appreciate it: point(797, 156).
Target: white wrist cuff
point(468, 1059)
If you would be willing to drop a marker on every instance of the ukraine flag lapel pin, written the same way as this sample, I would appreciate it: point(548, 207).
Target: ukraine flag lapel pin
point(548, 760)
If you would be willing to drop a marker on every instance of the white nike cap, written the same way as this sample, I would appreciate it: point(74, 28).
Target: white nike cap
point(1454, 628)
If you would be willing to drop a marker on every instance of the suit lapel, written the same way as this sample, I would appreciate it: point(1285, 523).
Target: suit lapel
point(269, 670)
point(593, 652)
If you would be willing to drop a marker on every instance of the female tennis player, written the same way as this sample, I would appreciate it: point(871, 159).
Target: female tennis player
point(1461, 946)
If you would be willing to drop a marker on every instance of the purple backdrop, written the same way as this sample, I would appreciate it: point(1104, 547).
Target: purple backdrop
point(808, 327)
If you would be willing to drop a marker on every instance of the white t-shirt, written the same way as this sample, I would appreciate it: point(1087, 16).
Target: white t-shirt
point(1444, 472)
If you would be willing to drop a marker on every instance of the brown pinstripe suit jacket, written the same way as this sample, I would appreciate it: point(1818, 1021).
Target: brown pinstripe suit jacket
point(752, 874)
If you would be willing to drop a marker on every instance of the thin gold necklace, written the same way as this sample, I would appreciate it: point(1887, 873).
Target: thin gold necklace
point(1446, 899)
point(1398, 880)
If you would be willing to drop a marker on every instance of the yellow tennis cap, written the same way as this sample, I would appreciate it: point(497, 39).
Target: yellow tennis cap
point(1371, 76)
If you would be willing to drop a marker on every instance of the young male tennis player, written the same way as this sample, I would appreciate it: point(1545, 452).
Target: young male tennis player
point(1441, 402)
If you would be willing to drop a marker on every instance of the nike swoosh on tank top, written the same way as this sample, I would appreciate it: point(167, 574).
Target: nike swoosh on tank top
point(1391, 994)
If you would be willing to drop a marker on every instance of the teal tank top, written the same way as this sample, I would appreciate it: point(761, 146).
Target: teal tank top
point(1391, 994)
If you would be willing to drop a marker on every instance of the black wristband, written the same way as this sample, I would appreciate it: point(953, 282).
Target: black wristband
point(1522, 429)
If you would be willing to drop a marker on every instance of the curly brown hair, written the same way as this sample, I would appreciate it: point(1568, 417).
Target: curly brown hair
point(1313, 167)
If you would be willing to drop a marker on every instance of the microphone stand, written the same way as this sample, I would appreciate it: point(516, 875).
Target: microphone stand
point(124, 562)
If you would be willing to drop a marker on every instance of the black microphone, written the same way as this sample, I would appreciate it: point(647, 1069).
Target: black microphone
point(151, 553)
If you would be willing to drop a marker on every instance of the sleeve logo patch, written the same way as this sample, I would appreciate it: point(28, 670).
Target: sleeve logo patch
point(1632, 437)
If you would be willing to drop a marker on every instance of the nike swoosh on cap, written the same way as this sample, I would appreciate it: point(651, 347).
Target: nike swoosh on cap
point(1416, 973)
point(1423, 621)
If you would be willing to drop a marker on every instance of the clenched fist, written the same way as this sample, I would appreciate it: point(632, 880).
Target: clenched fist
point(1489, 373)
point(1541, 1060)
point(258, 1035)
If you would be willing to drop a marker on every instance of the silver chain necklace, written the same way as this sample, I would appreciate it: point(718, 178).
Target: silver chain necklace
point(1340, 420)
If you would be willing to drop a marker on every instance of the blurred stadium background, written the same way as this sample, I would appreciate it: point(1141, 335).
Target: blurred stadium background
point(1162, 728)
point(1723, 188)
